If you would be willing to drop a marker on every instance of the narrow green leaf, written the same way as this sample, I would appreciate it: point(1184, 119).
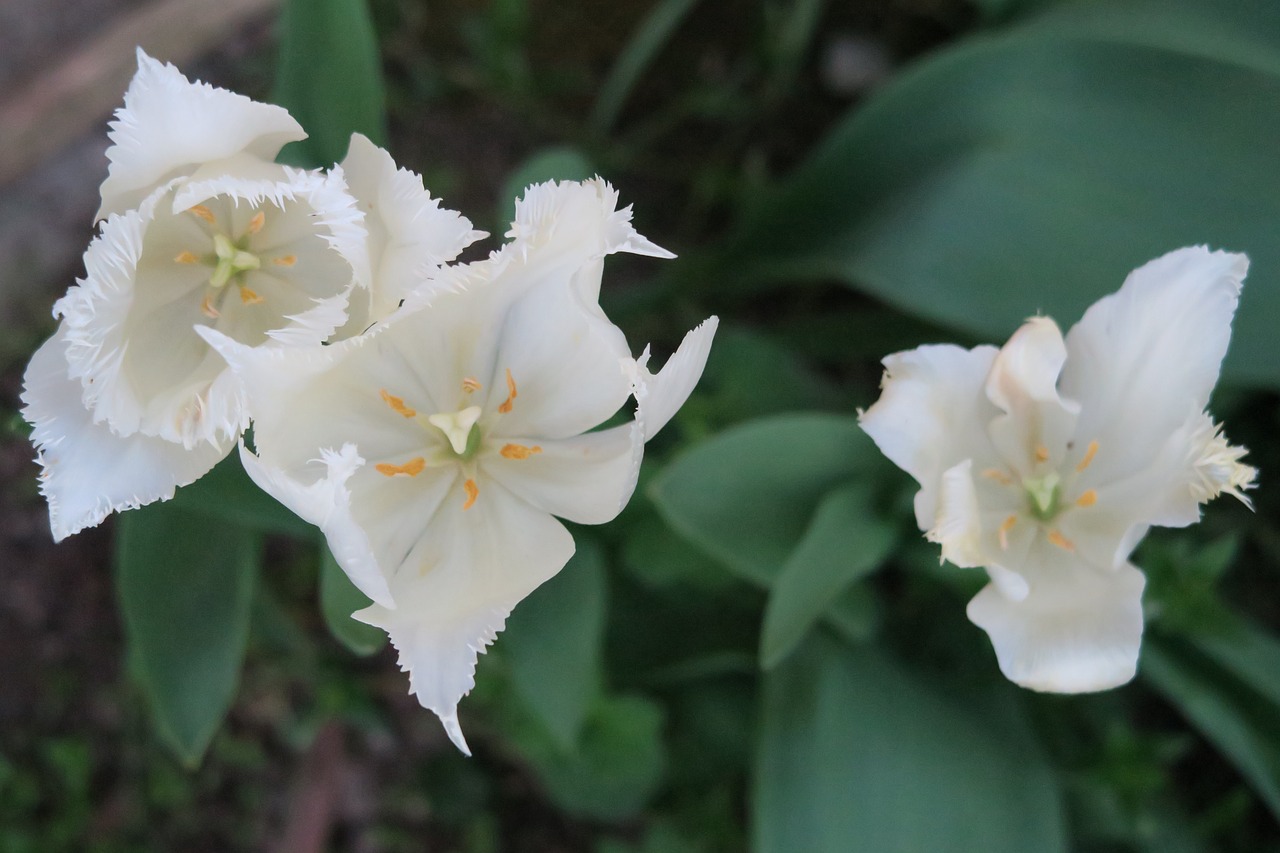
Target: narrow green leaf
point(1236, 719)
point(329, 78)
point(1246, 651)
point(856, 753)
point(846, 540)
point(1031, 170)
point(746, 496)
point(339, 598)
point(553, 643)
point(226, 493)
point(186, 589)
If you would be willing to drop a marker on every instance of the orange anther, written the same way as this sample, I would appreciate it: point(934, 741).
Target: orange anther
point(185, 257)
point(473, 492)
point(1042, 453)
point(204, 213)
point(1088, 498)
point(518, 451)
point(1061, 541)
point(249, 297)
point(511, 394)
point(999, 476)
point(255, 224)
point(285, 260)
point(207, 309)
point(412, 468)
point(1089, 453)
point(396, 403)
point(1004, 531)
point(471, 385)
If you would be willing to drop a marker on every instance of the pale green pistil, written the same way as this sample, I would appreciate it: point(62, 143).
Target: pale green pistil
point(232, 260)
point(461, 430)
point(1045, 495)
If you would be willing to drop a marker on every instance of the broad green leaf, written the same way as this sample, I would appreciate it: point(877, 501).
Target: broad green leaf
point(1248, 652)
point(1239, 721)
point(552, 644)
point(559, 163)
point(1031, 170)
point(329, 78)
point(339, 598)
point(847, 539)
point(186, 590)
point(746, 496)
point(856, 753)
point(226, 493)
point(658, 559)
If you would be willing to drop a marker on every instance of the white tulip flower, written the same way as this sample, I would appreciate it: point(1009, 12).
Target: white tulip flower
point(436, 450)
point(1045, 462)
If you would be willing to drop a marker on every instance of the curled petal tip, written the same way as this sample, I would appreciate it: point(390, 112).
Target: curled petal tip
point(454, 731)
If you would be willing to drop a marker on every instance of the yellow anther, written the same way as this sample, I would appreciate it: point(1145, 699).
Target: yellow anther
point(396, 403)
point(1089, 453)
point(471, 385)
point(204, 213)
point(1056, 538)
point(255, 224)
point(999, 476)
point(412, 468)
point(1089, 498)
point(518, 451)
point(473, 492)
point(511, 394)
point(1042, 453)
point(207, 309)
point(249, 297)
point(1003, 533)
point(185, 257)
point(285, 260)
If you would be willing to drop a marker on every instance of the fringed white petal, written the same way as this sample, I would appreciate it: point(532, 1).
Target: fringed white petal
point(662, 394)
point(1077, 631)
point(169, 125)
point(470, 569)
point(89, 471)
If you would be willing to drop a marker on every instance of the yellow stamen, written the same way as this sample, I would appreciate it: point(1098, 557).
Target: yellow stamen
point(185, 257)
point(255, 224)
point(412, 468)
point(511, 394)
point(1004, 531)
point(473, 492)
point(285, 260)
point(1088, 456)
point(396, 403)
point(999, 476)
point(518, 451)
point(1042, 453)
point(249, 297)
point(1056, 538)
point(1089, 498)
point(471, 385)
point(204, 213)
point(207, 309)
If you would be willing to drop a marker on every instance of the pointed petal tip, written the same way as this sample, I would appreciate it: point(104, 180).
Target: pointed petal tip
point(449, 720)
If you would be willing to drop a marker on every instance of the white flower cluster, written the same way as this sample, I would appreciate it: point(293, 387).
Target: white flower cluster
point(431, 417)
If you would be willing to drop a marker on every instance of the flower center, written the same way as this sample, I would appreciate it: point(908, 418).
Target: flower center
point(461, 430)
point(231, 261)
point(1045, 495)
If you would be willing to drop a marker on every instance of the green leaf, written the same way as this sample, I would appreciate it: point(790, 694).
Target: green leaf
point(552, 643)
point(1030, 171)
point(1237, 720)
point(329, 78)
point(558, 163)
point(746, 496)
point(226, 493)
point(186, 588)
point(1248, 652)
point(847, 540)
point(858, 754)
point(339, 598)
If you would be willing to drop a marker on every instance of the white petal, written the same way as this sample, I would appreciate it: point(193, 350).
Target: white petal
point(1023, 385)
point(931, 415)
point(471, 568)
point(1077, 631)
point(169, 125)
point(1144, 360)
point(958, 527)
point(325, 501)
point(89, 471)
point(659, 396)
point(586, 479)
point(410, 235)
